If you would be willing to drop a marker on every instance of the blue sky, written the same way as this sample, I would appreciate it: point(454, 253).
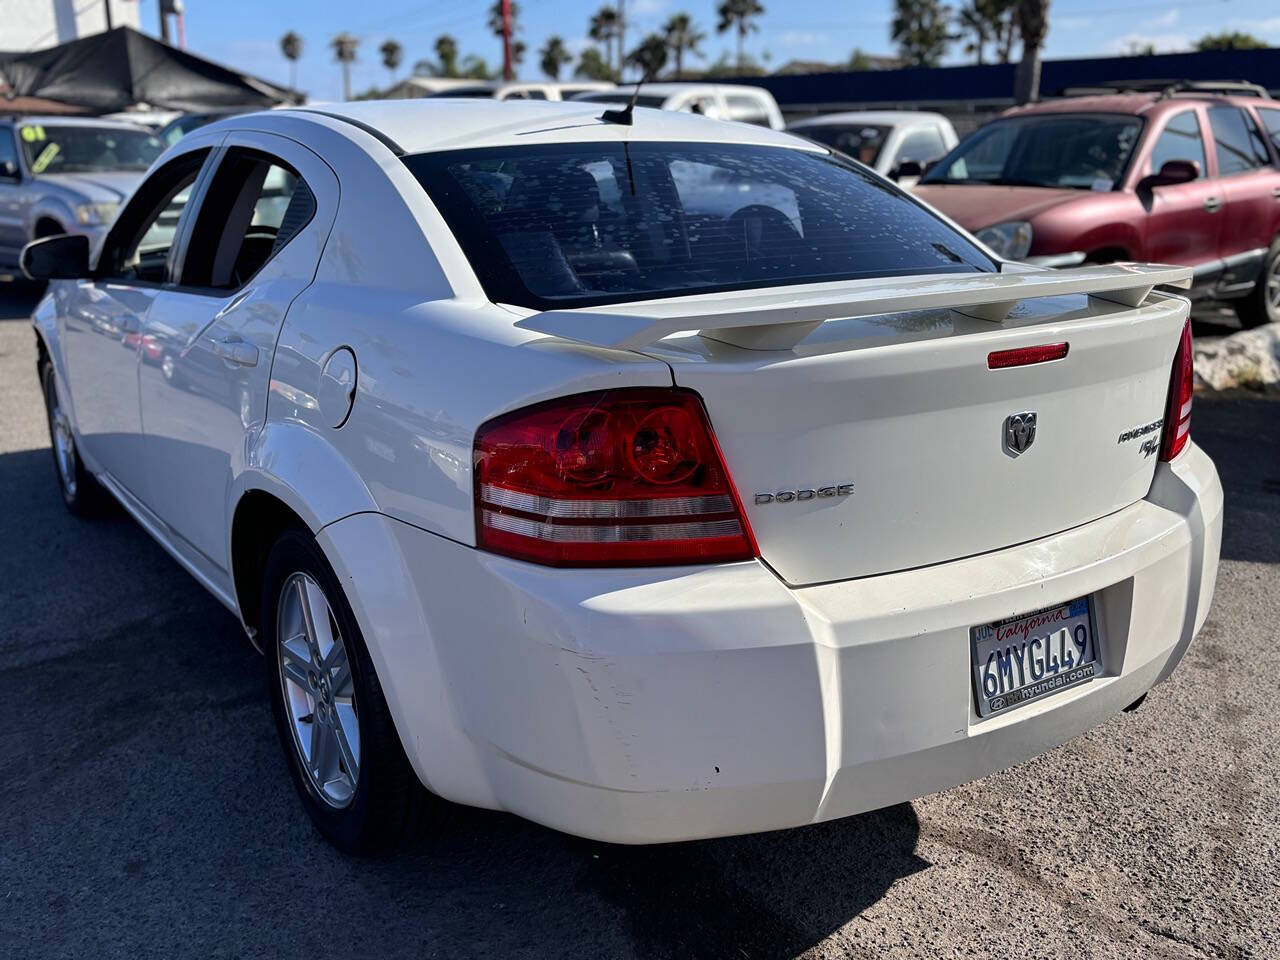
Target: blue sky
point(245, 33)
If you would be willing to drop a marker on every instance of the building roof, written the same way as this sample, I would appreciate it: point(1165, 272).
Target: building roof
point(440, 123)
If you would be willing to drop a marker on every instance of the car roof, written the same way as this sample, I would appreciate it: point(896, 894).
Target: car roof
point(671, 88)
point(55, 120)
point(892, 118)
point(1136, 104)
point(440, 123)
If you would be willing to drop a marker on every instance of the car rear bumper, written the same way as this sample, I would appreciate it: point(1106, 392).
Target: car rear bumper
point(665, 704)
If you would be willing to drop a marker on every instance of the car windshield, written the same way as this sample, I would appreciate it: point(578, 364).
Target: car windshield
point(76, 149)
point(581, 224)
point(862, 141)
point(1078, 151)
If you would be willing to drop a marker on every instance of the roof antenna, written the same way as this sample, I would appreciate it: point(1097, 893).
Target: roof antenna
point(624, 116)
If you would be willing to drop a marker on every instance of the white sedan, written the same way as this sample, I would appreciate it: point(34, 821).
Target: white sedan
point(548, 482)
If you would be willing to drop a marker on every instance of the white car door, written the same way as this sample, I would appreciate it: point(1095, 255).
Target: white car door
point(100, 320)
point(254, 241)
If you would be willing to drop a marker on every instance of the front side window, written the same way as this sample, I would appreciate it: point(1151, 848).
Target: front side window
point(255, 205)
point(8, 155)
point(921, 146)
point(1238, 139)
point(1179, 140)
point(49, 148)
point(137, 248)
point(862, 141)
point(574, 225)
point(1271, 120)
point(1061, 150)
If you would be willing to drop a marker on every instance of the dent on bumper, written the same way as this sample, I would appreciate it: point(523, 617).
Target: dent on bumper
point(651, 705)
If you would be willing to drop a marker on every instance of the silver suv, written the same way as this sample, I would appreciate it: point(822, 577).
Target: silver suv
point(64, 175)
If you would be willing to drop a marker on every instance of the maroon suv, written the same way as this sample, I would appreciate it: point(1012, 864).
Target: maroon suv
point(1189, 177)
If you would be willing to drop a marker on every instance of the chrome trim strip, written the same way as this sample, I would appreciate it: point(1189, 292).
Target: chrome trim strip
point(569, 509)
point(614, 533)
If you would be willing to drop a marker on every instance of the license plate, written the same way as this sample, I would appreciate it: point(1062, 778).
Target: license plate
point(1034, 655)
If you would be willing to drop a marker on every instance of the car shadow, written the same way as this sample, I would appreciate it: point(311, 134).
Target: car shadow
point(145, 723)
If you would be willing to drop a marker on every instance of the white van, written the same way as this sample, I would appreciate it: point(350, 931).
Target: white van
point(724, 101)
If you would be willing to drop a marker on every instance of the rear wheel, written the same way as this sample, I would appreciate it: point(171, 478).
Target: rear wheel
point(1262, 304)
point(81, 493)
point(340, 742)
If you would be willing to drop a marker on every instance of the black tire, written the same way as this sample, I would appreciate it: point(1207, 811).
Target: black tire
point(81, 492)
point(1262, 303)
point(389, 805)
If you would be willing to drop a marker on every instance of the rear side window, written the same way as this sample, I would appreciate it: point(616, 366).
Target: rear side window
point(575, 225)
point(1179, 140)
point(1239, 141)
point(746, 109)
point(1271, 120)
point(255, 204)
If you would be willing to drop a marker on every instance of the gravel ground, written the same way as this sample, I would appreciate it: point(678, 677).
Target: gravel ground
point(148, 813)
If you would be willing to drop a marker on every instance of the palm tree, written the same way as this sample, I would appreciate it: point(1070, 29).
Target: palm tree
point(739, 16)
point(972, 19)
point(344, 51)
point(291, 47)
point(593, 66)
point(604, 29)
point(682, 37)
point(1033, 24)
point(554, 55)
point(447, 54)
point(392, 53)
point(921, 31)
point(651, 56)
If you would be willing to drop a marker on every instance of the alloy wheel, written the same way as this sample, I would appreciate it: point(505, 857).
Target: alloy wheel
point(1273, 286)
point(319, 695)
point(64, 448)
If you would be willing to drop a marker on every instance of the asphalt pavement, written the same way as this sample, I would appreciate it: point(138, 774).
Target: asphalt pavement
point(146, 810)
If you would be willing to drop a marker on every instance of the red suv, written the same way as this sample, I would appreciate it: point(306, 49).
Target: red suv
point(1186, 174)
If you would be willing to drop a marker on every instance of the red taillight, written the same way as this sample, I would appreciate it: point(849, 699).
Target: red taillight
point(619, 478)
point(1022, 356)
point(1177, 418)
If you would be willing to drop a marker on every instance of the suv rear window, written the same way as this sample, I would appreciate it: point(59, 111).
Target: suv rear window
point(582, 224)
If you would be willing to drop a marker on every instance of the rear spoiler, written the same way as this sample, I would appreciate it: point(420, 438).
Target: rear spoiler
point(778, 319)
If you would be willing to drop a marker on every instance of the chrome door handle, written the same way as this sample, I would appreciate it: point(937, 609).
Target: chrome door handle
point(1212, 204)
point(234, 350)
point(129, 324)
point(1276, 193)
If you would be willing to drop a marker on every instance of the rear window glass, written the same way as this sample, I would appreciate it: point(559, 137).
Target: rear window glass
point(582, 224)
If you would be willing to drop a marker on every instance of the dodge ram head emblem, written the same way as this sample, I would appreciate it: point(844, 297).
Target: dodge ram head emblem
point(1019, 432)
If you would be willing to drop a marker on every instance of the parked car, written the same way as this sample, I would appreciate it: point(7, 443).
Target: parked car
point(503, 526)
point(495, 90)
point(1187, 176)
point(180, 126)
point(724, 101)
point(66, 175)
point(897, 144)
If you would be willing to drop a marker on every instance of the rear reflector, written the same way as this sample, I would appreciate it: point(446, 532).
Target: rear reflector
point(1022, 356)
point(619, 478)
point(1177, 418)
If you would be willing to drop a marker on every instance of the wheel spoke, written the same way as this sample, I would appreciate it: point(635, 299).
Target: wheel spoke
point(339, 670)
point(348, 745)
point(323, 755)
point(316, 610)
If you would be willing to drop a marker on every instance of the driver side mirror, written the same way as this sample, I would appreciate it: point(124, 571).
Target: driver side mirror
point(907, 168)
point(64, 257)
point(1173, 172)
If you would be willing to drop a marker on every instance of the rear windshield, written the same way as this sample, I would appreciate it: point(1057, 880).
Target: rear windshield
point(862, 141)
point(583, 224)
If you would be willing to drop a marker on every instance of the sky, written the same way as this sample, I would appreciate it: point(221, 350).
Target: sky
point(245, 33)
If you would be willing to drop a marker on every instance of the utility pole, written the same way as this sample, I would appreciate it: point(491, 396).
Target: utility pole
point(164, 21)
point(507, 73)
point(622, 36)
point(106, 8)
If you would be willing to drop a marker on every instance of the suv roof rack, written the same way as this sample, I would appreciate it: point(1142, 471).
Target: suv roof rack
point(1167, 88)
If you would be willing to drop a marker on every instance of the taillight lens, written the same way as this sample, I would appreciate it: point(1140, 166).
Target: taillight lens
point(625, 477)
point(1177, 419)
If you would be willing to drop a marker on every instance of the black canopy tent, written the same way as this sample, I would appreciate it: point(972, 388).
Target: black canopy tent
point(117, 69)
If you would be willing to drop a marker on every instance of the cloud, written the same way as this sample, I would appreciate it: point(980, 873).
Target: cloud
point(1269, 27)
point(1164, 21)
point(1162, 42)
point(649, 8)
point(801, 38)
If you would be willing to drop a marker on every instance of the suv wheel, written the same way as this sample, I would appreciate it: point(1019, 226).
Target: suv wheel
point(340, 742)
point(1262, 304)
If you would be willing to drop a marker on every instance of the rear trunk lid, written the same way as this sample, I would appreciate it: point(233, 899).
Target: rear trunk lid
point(882, 440)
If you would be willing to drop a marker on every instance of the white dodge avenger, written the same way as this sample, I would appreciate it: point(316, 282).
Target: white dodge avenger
point(648, 476)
